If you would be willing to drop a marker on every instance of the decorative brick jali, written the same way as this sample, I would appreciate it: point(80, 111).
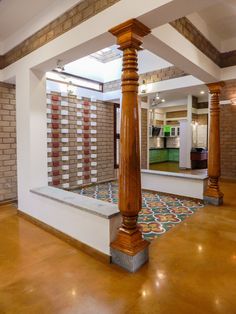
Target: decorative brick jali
point(8, 186)
point(80, 141)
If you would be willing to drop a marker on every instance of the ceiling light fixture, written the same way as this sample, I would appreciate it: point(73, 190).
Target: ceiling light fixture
point(202, 92)
point(157, 96)
point(157, 100)
point(144, 87)
point(60, 66)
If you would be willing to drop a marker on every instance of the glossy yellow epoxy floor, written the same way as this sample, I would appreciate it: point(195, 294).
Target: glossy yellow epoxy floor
point(192, 269)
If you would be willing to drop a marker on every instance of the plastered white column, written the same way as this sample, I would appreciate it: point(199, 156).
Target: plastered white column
point(31, 130)
point(186, 137)
point(189, 130)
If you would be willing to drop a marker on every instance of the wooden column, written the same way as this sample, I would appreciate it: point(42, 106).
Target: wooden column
point(129, 240)
point(213, 195)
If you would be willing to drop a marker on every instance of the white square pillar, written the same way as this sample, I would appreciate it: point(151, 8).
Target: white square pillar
point(31, 130)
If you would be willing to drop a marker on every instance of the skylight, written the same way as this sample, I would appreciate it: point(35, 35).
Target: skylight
point(107, 54)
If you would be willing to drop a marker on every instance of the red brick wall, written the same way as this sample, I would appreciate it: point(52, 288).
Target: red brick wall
point(8, 183)
point(228, 132)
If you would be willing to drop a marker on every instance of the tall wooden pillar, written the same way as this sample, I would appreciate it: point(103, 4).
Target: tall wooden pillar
point(129, 250)
point(213, 195)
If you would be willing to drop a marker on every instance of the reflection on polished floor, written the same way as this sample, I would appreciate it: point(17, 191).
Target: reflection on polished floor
point(192, 269)
point(174, 167)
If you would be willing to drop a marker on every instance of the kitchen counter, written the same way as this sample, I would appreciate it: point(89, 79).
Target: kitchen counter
point(163, 154)
point(153, 148)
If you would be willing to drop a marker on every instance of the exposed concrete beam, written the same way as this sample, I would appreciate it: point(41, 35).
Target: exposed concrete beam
point(228, 73)
point(172, 10)
point(170, 45)
point(85, 38)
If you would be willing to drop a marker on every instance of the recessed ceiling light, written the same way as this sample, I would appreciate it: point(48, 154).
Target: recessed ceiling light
point(157, 96)
point(163, 100)
point(202, 92)
point(60, 66)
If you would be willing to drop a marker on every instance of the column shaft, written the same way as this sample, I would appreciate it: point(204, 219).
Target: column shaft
point(213, 194)
point(129, 239)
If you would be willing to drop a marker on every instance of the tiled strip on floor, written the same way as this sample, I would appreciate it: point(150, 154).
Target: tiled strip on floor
point(159, 213)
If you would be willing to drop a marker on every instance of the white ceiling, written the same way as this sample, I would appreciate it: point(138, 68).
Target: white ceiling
point(221, 17)
point(19, 19)
point(105, 72)
point(14, 14)
point(182, 93)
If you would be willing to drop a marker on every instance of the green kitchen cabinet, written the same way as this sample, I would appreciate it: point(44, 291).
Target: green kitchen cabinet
point(163, 155)
point(173, 155)
point(158, 155)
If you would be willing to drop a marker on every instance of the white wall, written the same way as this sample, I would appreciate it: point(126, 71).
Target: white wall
point(174, 183)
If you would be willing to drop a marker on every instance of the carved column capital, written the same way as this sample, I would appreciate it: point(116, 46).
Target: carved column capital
point(215, 88)
point(129, 34)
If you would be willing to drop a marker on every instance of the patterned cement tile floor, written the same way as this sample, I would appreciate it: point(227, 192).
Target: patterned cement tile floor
point(159, 213)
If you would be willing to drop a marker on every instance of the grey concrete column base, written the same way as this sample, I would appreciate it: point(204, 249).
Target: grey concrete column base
point(217, 201)
point(130, 263)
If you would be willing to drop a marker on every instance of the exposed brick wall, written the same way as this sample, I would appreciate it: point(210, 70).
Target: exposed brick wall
point(149, 77)
point(190, 32)
point(105, 141)
point(161, 75)
point(144, 135)
point(112, 86)
point(228, 132)
point(176, 114)
point(8, 178)
point(172, 122)
point(73, 17)
point(229, 91)
point(80, 141)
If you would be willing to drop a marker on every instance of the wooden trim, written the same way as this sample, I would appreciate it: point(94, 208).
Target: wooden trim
point(9, 201)
point(66, 238)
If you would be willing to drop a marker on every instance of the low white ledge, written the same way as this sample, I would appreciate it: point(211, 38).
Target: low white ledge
point(182, 184)
point(88, 204)
point(90, 221)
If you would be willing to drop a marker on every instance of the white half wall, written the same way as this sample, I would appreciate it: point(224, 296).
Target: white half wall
point(174, 183)
point(92, 222)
